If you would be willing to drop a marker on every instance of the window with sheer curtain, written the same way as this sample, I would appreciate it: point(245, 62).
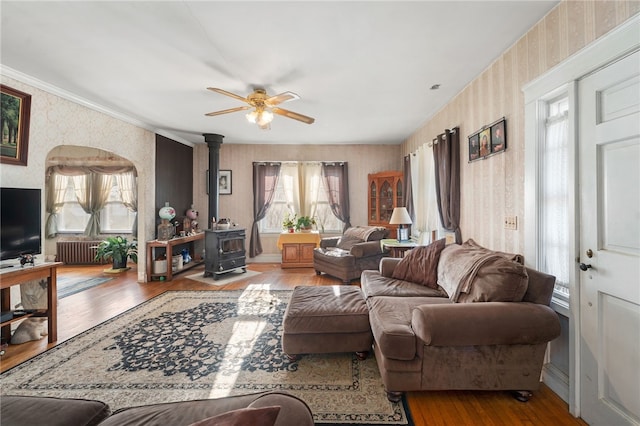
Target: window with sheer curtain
point(554, 196)
point(302, 191)
point(115, 216)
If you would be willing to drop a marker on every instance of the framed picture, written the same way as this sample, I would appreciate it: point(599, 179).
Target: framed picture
point(498, 136)
point(485, 142)
point(224, 182)
point(474, 147)
point(16, 111)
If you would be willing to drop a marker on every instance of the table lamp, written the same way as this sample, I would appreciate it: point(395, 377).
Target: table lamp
point(400, 217)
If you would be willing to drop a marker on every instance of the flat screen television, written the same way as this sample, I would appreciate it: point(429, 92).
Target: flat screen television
point(20, 222)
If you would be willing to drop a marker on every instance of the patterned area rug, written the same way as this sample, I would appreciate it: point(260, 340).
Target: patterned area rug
point(204, 344)
point(69, 286)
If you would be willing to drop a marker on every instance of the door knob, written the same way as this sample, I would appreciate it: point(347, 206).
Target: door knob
point(584, 266)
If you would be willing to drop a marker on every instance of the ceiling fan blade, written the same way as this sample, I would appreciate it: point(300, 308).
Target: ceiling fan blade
point(282, 97)
point(226, 111)
point(294, 115)
point(224, 92)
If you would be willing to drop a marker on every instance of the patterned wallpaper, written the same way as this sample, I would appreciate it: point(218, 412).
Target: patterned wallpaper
point(494, 187)
point(238, 158)
point(55, 122)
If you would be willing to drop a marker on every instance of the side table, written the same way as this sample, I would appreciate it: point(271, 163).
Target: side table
point(397, 248)
point(297, 248)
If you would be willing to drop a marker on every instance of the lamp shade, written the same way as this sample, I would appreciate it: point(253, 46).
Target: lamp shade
point(400, 216)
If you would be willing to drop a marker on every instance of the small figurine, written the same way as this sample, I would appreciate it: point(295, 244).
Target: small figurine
point(27, 258)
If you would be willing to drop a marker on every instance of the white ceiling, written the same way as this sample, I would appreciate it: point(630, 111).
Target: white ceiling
point(362, 69)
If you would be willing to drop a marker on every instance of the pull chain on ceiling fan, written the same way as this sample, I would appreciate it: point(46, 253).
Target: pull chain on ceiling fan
point(263, 106)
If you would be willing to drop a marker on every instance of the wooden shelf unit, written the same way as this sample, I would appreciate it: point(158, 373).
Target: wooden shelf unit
point(168, 246)
point(21, 274)
point(385, 192)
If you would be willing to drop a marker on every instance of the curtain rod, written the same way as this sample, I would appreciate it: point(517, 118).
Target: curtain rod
point(297, 162)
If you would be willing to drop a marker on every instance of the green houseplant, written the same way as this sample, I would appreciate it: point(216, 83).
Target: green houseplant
point(118, 249)
point(289, 222)
point(304, 223)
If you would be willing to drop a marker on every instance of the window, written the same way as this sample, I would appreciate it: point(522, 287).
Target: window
point(114, 217)
point(554, 195)
point(301, 190)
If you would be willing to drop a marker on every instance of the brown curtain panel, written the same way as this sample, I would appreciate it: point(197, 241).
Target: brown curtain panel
point(407, 197)
point(265, 181)
point(446, 157)
point(336, 177)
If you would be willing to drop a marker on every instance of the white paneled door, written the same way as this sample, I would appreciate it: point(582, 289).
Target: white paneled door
point(609, 164)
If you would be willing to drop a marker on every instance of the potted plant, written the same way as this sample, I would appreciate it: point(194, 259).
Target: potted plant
point(289, 222)
point(117, 249)
point(305, 223)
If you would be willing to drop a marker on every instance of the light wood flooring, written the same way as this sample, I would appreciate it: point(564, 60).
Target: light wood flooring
point(84, 310)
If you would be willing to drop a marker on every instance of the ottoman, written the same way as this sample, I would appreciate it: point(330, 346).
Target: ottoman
point(326, 319)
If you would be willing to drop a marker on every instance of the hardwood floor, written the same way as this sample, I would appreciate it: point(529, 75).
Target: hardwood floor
point(81, 311)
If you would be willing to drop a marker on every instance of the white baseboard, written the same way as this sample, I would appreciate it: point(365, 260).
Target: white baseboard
point(556, 380)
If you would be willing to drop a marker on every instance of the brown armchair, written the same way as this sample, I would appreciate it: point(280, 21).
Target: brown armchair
point(345, 257)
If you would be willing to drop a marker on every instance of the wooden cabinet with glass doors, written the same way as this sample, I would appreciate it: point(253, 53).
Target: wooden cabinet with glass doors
point(386, 190)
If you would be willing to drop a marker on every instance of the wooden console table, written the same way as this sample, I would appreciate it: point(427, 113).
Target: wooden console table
point(297, 248)
point(168, 246)
point(21, 274)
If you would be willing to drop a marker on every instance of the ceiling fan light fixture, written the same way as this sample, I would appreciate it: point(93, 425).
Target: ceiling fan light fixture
point(252, 116)
point(265, 117)
point(261, 117)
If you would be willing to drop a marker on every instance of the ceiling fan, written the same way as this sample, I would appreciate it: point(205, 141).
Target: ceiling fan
point(263, 106)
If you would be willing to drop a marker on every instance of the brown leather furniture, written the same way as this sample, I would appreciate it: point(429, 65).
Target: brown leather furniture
point(345, 257)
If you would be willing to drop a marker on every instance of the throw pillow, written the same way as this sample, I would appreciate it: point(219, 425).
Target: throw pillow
point(420, 265)
point(265, 416)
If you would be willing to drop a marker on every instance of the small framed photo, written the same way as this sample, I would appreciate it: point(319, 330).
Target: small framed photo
point(16, 112)
point(498, 137)
point(474, 147)
point(485, 142)
point(224, 182)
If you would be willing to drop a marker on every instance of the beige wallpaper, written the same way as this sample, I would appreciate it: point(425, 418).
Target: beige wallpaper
point(363, 159)
point(494, 187)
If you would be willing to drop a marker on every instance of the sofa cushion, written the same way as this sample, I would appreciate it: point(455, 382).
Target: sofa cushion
point(326, 309)
point(46, 411)
point(337, 257)
point(359, 234)
point(420, 265)
point(496, 276)
point(368, 248)
point(265, 416)
point(390, 319)
point(374, 284)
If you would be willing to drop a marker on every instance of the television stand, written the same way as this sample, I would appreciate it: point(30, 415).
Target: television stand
point(46, 270)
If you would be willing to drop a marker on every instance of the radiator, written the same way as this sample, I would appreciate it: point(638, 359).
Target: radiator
point(77, 252)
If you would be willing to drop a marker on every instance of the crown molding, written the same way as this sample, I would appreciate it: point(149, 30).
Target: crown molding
point(64, 94)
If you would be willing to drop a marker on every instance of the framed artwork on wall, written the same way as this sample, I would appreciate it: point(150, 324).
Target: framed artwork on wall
point(16, 112)
point(498, 136)
point(489, 140)
point(224, 182)
point(474, 147)
point(485, 142)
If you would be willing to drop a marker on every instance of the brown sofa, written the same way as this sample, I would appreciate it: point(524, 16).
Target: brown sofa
point(492, 336)
point(252, 409)
point(345, 257)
